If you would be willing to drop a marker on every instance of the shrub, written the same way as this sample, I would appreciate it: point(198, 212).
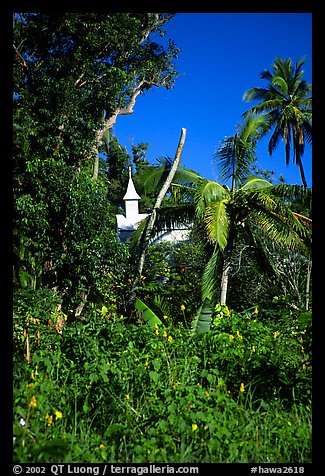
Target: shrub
point(108, 390)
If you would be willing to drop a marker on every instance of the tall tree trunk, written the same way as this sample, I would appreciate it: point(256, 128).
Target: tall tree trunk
point(226, 268)
point(225, 276)
point(302, 173)
point(147, 232)
point(308, 284)
point(94, 152)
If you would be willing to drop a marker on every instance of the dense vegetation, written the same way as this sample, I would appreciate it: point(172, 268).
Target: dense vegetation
point(211, 359)
point(113, 391)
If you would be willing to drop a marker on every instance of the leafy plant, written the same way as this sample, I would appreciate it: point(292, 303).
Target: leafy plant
point(202, 320)
point(106, 389)
point(147, 314)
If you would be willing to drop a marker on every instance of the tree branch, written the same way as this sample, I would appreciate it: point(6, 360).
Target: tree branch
point(20, 56)
point(153, 21)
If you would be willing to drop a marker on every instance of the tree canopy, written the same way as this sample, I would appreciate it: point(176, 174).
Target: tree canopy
point(75, 73)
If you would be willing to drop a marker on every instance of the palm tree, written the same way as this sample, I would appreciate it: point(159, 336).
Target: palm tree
point(287, 104)
point(251, 205)
point(255, 209)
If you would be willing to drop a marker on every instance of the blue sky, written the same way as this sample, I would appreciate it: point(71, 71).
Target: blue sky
point(222, 56)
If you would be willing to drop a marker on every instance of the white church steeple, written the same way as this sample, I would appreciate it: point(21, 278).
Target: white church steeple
point(128, 223)
point(131, 199)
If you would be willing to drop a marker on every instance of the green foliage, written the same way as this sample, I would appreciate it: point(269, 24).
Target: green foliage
point(65, 236)
point(202, 320)
point(115, 162)
point(147, 314)
point(108, 390)
point(268, 350)
point(171, 278)
point(67, 82)
point(234, 386)
point(236, 225)
point(68, 76)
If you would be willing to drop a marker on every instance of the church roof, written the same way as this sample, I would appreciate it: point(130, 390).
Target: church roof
point(131, 193)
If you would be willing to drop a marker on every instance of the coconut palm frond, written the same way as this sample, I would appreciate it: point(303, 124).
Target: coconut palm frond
point(169, 218)
point(292, 192)
point(256, 94)
point(165, 161)
point(211, 278)
point(255, 183)
point(153, 176)
point(184, 176)
point(253, 127)
point(260, 243)
point(237, 153)
point(234, 156)
point(135, 238)
point(305, 220)
point(151, 179)
point(279, 229)
point(182, 193)
point(208, 192)
point(217, 222)
point(268, 210)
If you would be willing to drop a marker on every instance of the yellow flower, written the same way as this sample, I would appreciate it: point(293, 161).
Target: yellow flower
point(239, 336)
point(155, 325)
point(156, 331)
point(275, 334)
point(165, 317)
point(30, 385)
point(194, 427)
point(127, 397)
point(58, 414)
point(101, 446)
point(32, 402)
point(242, 388)
point(146, 363)
point(256, 310)
point(226, 311)
point(49, 419)
point(206, 394)
point(182, 307)
point(253, 348)
point(170, 338)
point(33, 320)
point(231, 337)
point(164, 334)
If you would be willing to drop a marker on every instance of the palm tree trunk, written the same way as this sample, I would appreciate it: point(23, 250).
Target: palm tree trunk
point(308, 284)
point(147, 232)
point(225, 274)
point(302, 173)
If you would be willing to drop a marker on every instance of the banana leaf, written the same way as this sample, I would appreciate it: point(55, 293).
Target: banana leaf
point(148, 315)
point(202, 320)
